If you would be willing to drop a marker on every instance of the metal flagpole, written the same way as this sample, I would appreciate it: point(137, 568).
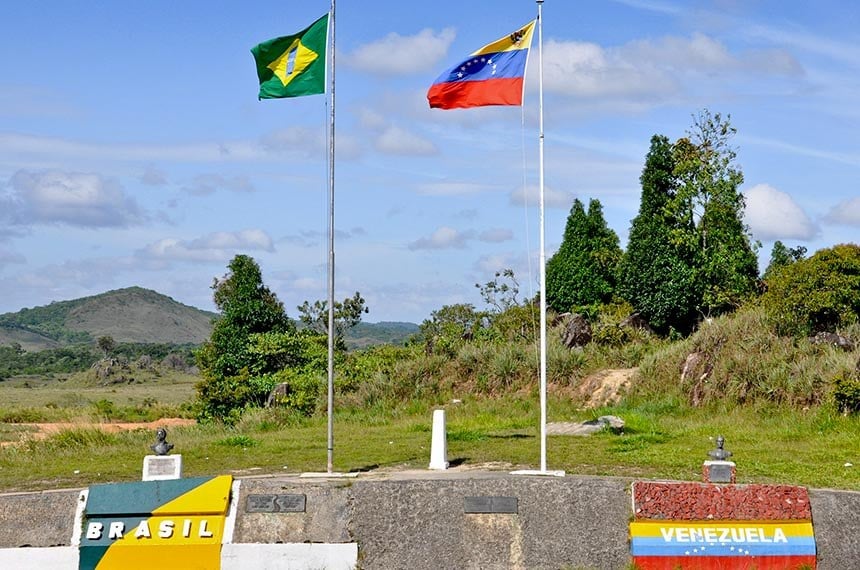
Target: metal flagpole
point(542, 247)
point(331, 333)
point(330, 428)
point(543, 470)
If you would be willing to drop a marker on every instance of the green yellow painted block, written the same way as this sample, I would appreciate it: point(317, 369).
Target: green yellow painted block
point(155, 524)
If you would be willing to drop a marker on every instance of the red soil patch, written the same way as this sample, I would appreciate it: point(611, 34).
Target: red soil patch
point(44, 430)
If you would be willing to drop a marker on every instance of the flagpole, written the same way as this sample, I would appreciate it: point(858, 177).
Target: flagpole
point(542, 246)
point(543, 469)
point(331, 332)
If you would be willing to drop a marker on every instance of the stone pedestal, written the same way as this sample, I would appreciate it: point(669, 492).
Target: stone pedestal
point(162, 467)
point(718, 472)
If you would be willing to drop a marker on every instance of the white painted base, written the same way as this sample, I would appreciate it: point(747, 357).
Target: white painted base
point(327, 475)
point(538, 472)
point(162, 467)
point(296, 556)
point(56, 558)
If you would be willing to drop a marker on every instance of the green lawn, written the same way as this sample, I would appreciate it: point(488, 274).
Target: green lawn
point(812, 448)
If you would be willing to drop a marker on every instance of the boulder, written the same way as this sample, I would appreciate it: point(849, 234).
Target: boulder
point(577, 331)
point(636, 321)
point(834, 339)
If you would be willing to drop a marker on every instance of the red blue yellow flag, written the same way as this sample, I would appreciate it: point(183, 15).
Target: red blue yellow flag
point(493, 75)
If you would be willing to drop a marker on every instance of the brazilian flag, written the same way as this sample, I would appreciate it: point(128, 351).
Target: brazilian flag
point(293, 66)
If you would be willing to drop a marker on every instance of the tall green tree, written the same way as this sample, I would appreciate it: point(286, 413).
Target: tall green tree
point(708, 209)
point(782, 256)
point(247, 308)
point(656, 276)
point(582, 271)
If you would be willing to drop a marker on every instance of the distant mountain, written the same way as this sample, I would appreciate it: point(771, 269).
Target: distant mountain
point(134, 315)
point(363, 335)
point(138, 315)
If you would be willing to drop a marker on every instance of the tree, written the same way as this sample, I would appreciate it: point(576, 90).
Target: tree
point(817, 294)
point(656, 276)
point(708, 210)
point(501, 292)
point(106, 344)
point(247, 307)
point(582, 271)
point(782, 256)
point(449, 326)
point(347, 314)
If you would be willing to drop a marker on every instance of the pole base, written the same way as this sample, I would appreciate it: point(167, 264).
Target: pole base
point(538, 472)
point(325, 474)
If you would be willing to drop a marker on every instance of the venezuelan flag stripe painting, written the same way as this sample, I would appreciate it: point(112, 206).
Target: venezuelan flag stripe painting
point(723, 545)
point(493, 75)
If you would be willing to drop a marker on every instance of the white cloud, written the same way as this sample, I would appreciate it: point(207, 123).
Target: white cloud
point(216, 246)
point(152, 176)
point(496, 235)
point(653, 69)
point(773, 215)
point(8, 257)
point(73, 198)
point(205, 184)
point(587, 70)
point(846, 212)
point(54, 147)
point(396, 140)
point(651, 6)
point(443, 238)
point(402, 55)
point(451, 188)
point(531, 194)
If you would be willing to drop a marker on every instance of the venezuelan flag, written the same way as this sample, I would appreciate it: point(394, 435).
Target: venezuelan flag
point(493, 75)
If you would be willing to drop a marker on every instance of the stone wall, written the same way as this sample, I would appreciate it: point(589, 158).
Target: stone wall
point(419, 520)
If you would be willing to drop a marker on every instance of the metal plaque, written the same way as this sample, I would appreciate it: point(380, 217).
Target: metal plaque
point(275, 504)
point(490, 505)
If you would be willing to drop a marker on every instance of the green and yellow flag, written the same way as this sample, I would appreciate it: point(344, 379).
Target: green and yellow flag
point(293, 66)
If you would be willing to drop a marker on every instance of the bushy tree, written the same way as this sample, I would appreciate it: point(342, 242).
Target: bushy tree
point(347, 314)
point(449, 326)
point(782, 256)
point(708, 208)
point(820, 293)
point(247, 307)
point(656, 275)
point(582, 271)
point(106, 344)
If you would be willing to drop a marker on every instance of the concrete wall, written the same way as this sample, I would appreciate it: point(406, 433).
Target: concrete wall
point(418, 521)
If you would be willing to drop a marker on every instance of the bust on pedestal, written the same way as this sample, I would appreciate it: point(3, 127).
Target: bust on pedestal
point(719, 469)
point(161, 466)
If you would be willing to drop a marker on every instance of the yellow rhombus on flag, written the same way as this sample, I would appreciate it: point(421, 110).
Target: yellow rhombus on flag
point(293, 66)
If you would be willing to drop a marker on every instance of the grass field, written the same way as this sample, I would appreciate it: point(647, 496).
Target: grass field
point(77, 397)
point(816, 448)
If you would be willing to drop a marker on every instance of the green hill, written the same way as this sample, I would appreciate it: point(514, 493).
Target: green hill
point(131, 315)
point(138, 315)
point(364, 335)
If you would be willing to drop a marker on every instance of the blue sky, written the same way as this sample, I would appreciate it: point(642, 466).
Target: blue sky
point(133, 150)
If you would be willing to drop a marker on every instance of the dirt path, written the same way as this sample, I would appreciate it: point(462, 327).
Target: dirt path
point(43, 430)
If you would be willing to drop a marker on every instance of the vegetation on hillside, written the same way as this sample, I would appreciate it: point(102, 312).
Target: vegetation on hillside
point(689, 271)
point(718, 350)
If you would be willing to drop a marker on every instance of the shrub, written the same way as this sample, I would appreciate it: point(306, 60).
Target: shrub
point(846, 393)
point(303, 390)
point(817, 294)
